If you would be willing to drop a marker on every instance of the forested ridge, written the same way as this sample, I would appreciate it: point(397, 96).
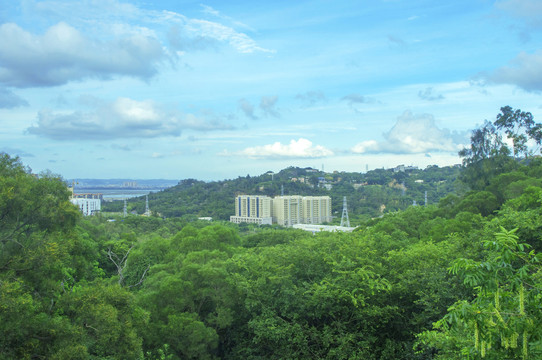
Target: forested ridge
point(457, 279)
point(369, 194)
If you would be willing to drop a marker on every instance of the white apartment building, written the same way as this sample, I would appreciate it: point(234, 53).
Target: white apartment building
point(316, 209)
point(282, 210)
point(87, 206)
point(255, 209)
point(287, 210)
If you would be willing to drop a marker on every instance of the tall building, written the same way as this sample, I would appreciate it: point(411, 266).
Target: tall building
point(282, 210)
point(316, 209)
point(287, 210)
point(254, 209)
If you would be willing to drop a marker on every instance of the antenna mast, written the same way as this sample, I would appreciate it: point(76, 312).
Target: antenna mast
point(344, 218)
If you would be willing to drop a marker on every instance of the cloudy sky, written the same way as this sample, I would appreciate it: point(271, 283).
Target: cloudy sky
point(217, 89)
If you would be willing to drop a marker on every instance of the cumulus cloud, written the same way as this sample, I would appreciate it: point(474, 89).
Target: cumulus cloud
point(310, 98)
point(301, 148)
point(430, 95)
point(413, 134)
point(524, 71)
point(247, 108)
point(105, 42)
point(122, 118)
point(64, 54)
point(9, 100)
point(268, 104)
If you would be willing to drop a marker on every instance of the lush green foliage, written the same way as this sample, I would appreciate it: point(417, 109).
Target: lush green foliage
point(460, 279)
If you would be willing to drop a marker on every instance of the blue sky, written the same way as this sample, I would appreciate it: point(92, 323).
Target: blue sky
point(218, 89)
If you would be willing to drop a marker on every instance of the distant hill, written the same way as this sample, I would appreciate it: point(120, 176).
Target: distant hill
point(368, 194)
point(119, 183)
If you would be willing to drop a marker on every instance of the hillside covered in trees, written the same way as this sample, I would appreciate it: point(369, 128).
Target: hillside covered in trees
point(458, 279)
point(368, 195)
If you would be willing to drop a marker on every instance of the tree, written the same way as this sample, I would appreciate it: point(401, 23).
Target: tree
point(486, 143)
point(487, 157)
point(53, 302)
point(504, 320)
point(519, 126)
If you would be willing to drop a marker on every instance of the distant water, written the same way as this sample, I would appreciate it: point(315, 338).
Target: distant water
point(116, 194)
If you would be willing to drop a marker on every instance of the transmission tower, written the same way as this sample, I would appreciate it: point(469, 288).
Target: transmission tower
point(344, 218)
point(125, 210)
point(147, 210)
point(425, 204)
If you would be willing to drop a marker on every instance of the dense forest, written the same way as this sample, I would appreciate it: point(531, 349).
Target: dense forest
point(458, 279)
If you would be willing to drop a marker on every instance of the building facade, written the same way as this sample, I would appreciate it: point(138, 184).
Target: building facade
point(316, 209)
point(282, 210)
point(254, 209)
point(287, 210)
point(87, 206)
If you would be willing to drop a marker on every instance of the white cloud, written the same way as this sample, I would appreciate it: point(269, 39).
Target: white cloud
point(64, 54)
point(413, 134)
point(213, 12)
point(198, 34)
point(524, 71)
point(122, 118)
point(301, 148)
point(239, 41)
point(103, 39)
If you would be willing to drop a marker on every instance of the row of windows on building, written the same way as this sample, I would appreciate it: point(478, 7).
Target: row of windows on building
point(282, 210)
